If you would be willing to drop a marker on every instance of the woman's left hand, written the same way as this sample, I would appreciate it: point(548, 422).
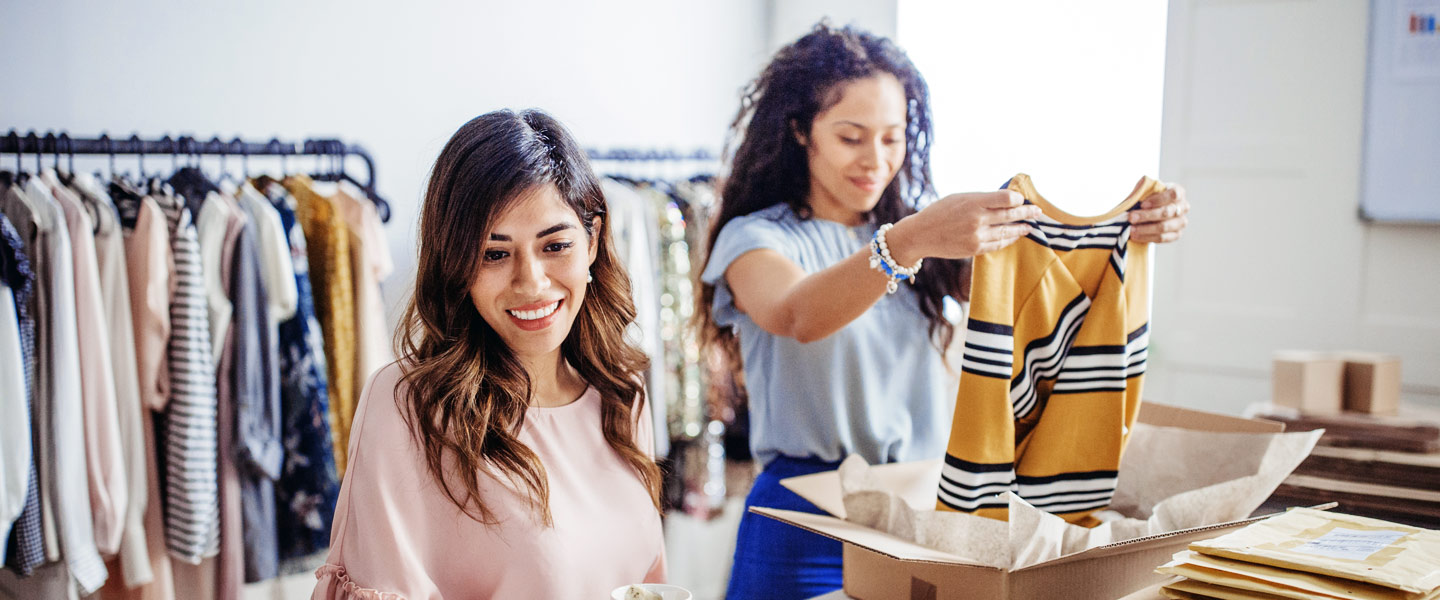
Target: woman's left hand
point(1161, 217)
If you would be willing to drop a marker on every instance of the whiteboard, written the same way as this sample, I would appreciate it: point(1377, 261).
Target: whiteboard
point(1400, 175)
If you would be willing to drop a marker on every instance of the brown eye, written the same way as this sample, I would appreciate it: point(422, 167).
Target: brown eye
point(495, 255)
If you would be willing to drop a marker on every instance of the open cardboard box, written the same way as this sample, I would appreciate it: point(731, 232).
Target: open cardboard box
point(881, 566)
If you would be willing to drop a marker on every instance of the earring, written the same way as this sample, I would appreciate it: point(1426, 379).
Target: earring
point(589, 277)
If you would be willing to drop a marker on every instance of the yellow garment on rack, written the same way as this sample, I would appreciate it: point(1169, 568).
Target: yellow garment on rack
point(1054, 358)
point(328, 244)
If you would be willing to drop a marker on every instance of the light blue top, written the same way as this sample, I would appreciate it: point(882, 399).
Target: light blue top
point(877, 387)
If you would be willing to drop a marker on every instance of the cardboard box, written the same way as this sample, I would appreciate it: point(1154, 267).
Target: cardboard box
point(1310, 382)
point(881, 566)
point(1372, 383)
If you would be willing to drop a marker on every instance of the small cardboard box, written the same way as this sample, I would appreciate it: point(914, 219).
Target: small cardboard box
point(1310, 382)
point(1372, 383)
point(881, 566)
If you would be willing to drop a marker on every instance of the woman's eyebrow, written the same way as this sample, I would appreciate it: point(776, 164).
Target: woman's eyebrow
point(500, 237)
point(554, 229)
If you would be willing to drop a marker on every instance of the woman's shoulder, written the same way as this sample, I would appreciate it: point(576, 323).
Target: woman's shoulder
point(771, 215)
point(378, 415)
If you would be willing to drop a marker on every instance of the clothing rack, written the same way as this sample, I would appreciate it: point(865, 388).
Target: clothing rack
point(61, 143)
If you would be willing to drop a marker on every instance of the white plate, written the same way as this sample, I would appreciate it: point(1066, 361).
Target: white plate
point(666, 591)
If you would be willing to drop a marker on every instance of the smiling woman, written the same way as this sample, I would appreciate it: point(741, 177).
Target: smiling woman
point(501, 456)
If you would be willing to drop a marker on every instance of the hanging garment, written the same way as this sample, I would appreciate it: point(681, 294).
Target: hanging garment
point(369, 265)
point(24, 546)
point(150, 269)
point(20, 517)
point(15, 445)
point(256, 397)
point(105, 457)
point(211, 224)
point(632, 226)
point(1054, 361)
point(275, 267)
point(66, 519)
point(217, 243)
point(115, 297)
point(192, 509)
point(306, 493)
point(397, 535)
point(328, 243)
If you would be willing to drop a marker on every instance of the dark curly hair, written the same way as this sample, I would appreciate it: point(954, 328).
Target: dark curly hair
point(769, 166)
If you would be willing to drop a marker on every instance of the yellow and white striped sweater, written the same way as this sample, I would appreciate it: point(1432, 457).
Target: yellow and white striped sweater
point(1053, 364)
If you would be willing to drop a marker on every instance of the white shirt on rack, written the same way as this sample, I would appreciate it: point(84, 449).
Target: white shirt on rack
point(15, 455)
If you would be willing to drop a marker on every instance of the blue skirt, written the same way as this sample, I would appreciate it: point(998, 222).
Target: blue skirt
point(778, 560)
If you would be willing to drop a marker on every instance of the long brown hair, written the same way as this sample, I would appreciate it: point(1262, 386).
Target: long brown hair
point(468, 394)
point(769, 166)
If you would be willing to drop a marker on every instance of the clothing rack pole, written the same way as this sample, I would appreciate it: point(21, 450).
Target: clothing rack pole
point(62, 144)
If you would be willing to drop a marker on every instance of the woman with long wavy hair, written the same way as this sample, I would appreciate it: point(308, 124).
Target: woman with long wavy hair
point(506, 453)
point(831, 149)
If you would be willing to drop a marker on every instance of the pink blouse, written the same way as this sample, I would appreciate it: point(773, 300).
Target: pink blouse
point(397, 536)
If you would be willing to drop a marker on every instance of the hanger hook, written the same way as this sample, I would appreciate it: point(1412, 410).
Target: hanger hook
point(110, 150)
point(139, 153)
point(69, 149)
point(34, 142)
point(14, 136)
point(244, 157)
point(54, 148)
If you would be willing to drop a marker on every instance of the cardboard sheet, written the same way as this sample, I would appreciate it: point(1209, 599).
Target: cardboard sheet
point(1171, 479)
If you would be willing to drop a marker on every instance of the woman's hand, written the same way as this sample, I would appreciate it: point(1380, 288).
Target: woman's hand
point(962, 226)
point(1161, 217)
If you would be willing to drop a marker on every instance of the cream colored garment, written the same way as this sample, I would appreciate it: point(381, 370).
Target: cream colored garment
point(105, 456)
point(210, 227)
point(115, 291)
point(370, 262)
point(276, 267)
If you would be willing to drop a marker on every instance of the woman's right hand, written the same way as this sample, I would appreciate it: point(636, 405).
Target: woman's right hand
point(961, 226)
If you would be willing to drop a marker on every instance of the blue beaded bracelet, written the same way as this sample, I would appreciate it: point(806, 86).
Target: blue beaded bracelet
point(880, 260)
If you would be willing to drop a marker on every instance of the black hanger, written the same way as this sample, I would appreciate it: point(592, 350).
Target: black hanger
point(224, 151)
point(139, 157)
point(14, 178)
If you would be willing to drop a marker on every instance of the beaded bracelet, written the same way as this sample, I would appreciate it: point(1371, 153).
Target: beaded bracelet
point(880, 260)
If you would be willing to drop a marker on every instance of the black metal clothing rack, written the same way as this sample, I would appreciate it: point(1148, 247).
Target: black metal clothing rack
point(58, 144)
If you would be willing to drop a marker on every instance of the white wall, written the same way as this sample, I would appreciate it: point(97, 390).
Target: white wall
point(1067, 92)
point(790, 19)
point(398, 78)
point(1263, 119)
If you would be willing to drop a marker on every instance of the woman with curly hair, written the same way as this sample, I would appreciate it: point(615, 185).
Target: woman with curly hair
point(505, 454)
point(832, 146)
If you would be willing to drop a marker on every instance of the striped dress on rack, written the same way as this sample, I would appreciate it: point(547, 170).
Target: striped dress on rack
point(192, 506)
point(1053, 364)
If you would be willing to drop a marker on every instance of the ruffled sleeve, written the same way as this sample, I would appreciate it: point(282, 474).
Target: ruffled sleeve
point(335, 584)
point(388, 527)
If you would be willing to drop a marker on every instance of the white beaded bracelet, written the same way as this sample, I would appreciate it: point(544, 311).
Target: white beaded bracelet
point(880, 260)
